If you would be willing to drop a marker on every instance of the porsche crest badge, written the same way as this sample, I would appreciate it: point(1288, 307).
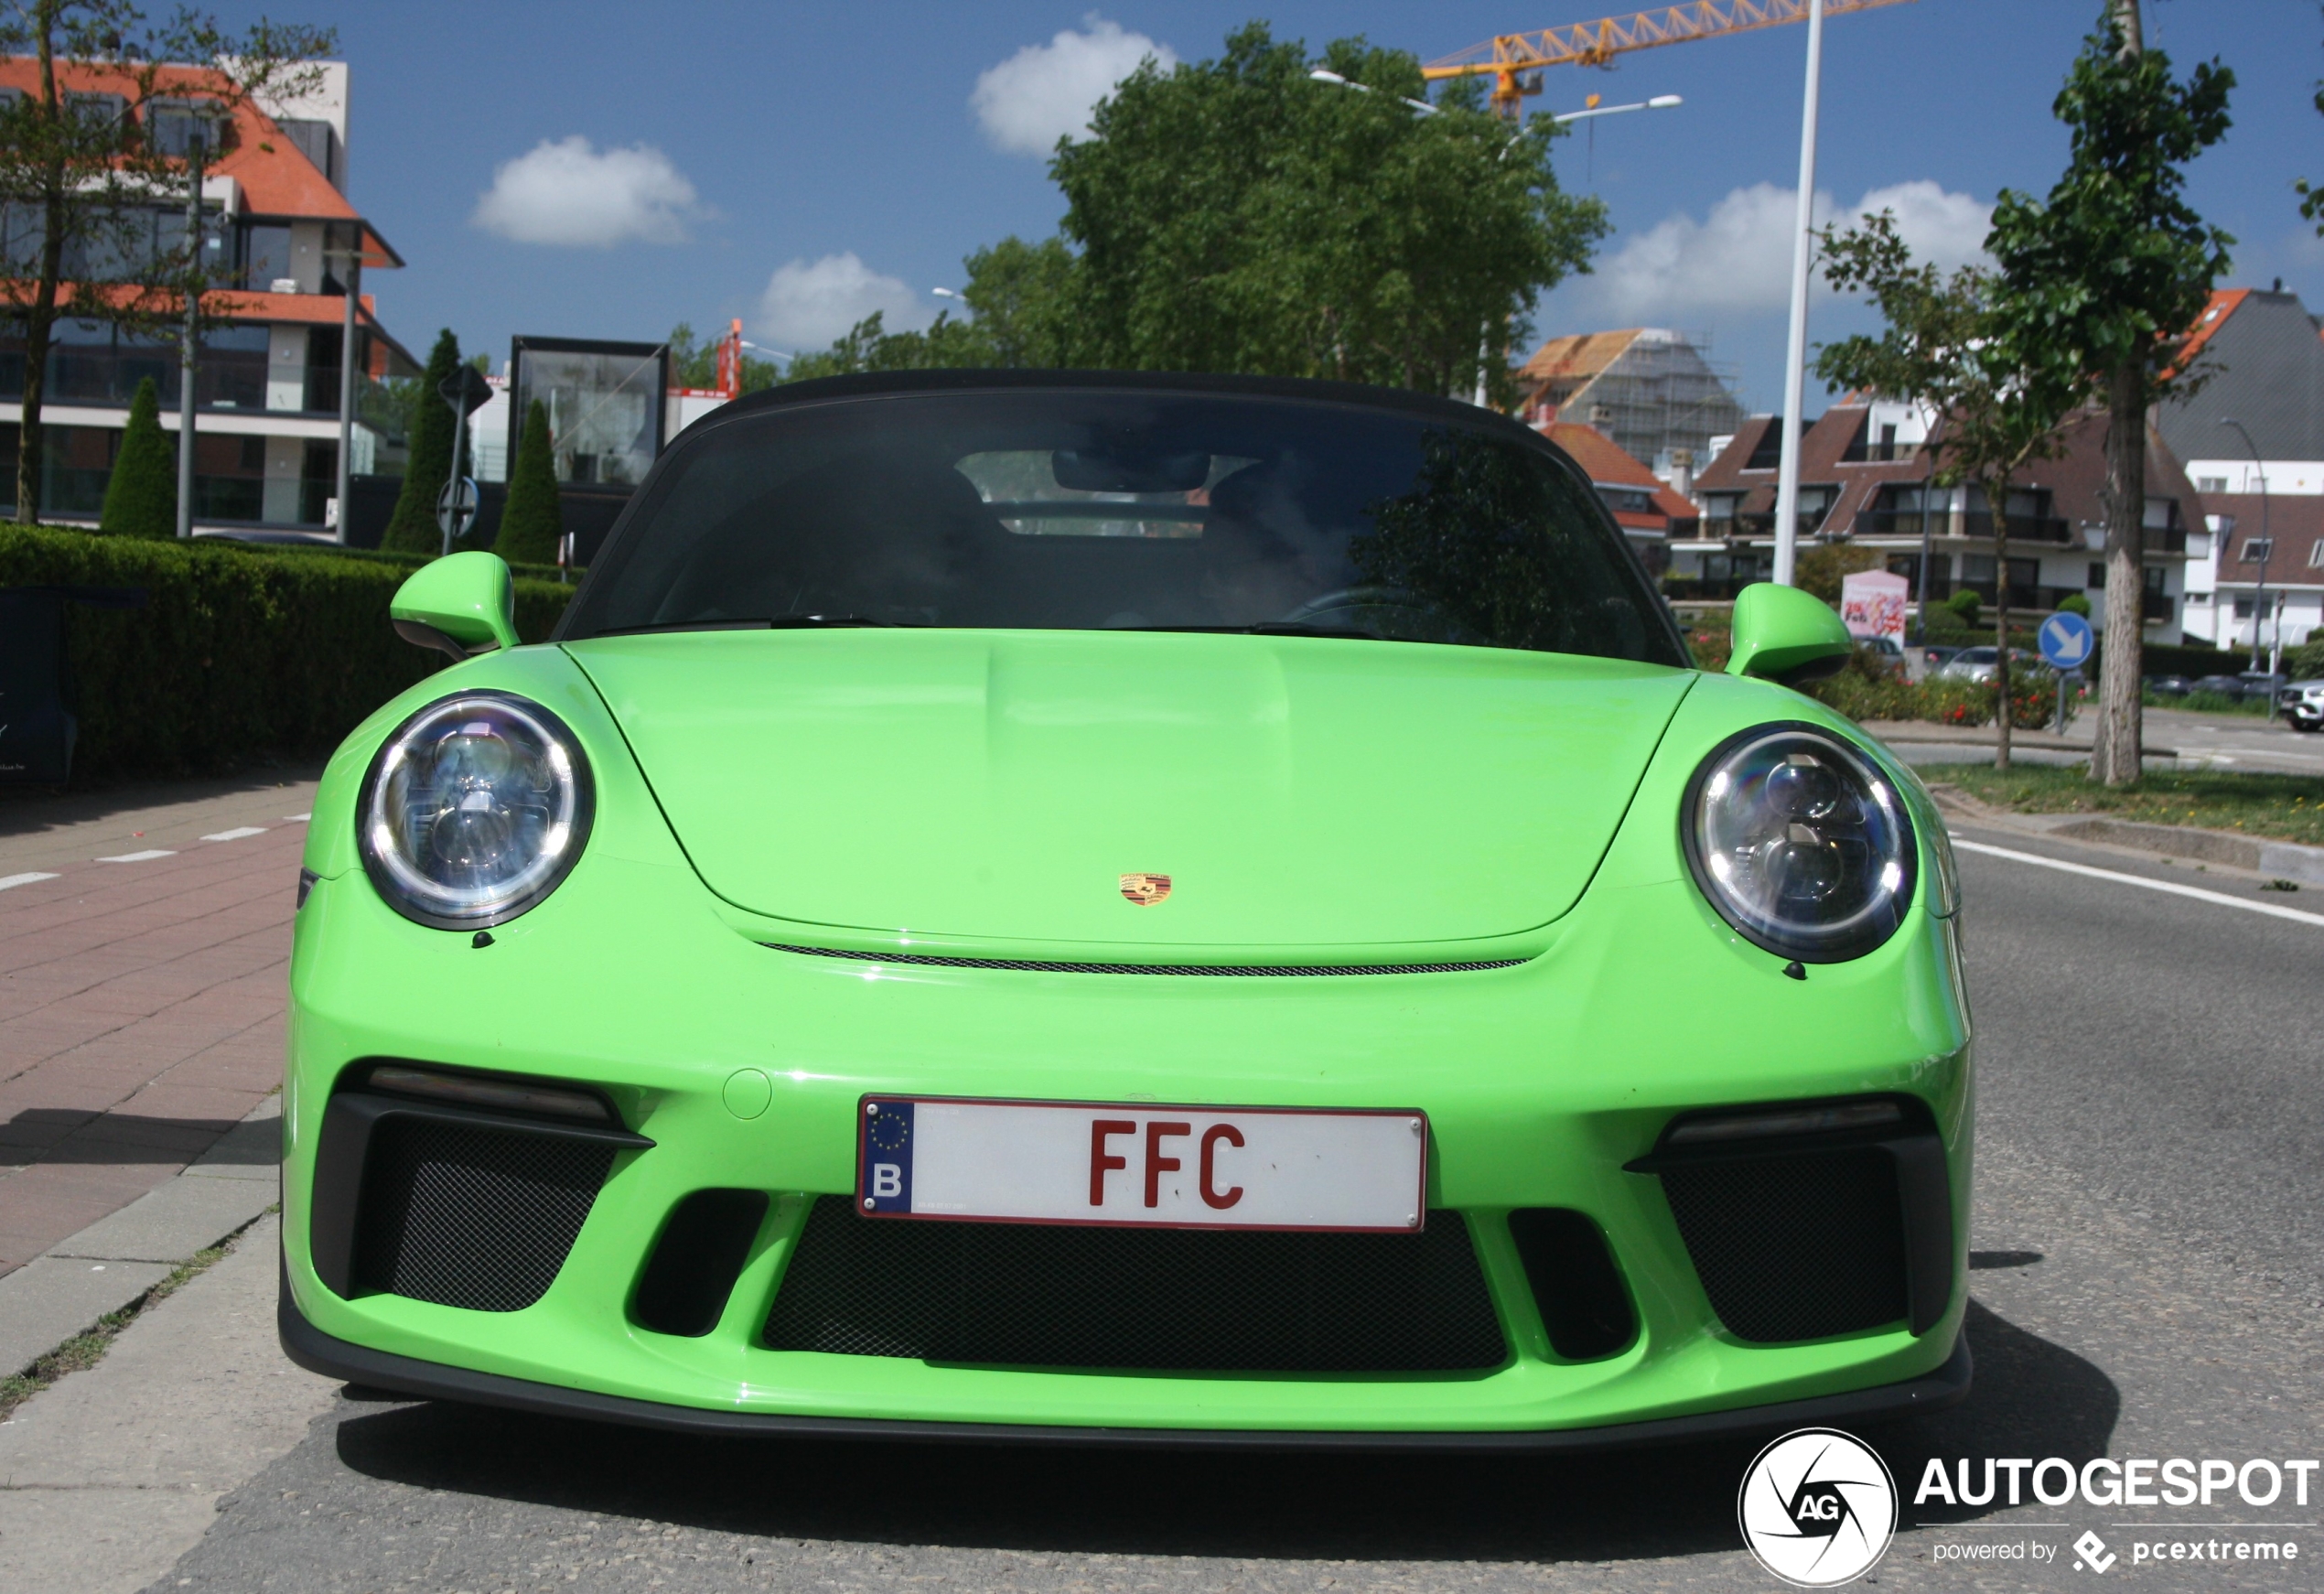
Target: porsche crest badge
point(1145, 890)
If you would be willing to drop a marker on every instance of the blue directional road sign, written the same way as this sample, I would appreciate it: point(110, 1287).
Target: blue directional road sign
point(2066, 639)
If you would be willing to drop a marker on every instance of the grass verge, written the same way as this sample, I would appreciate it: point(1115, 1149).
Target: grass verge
point(86, 1349)
point(2283, 807)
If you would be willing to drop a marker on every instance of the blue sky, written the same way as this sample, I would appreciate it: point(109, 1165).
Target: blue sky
point(731, 158)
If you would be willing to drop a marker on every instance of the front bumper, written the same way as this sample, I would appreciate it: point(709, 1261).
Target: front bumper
point(318, 1353)
point(1542, 1083)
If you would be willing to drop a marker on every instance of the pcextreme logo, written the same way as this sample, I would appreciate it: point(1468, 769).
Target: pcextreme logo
point(1817, 1508)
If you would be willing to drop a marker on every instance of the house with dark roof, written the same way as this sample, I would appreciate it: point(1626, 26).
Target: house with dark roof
point(2252, 433)
point(1647, 510)
point(1866, 469)
point(290, 247)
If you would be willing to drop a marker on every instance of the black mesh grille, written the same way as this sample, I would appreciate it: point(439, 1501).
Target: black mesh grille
point(1167, 1299)
point(469, 1218)
point(1286, 969)
point(1794, 1248)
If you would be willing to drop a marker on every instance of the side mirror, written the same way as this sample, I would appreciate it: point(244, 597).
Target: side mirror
point(464, 604)
point(1784, 634)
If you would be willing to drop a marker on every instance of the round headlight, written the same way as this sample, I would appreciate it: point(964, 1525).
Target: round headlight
point(1800, 843)
point(474, 810)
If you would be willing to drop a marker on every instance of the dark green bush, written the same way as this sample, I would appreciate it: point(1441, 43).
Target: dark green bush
point(141, 496)
point(533, 523)
point(240, 651)
point(412, 528)
point(1966, 607)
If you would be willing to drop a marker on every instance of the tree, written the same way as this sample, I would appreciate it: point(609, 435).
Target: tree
point(1021, 295)
point(2109, 274)
point(533, 520)
point(869, 346)
point(694, 363)
point(96, 149)
point(1823, 567)
point(1951, 343)
point(1235, 215)
point(141, 496)
point(412, 529)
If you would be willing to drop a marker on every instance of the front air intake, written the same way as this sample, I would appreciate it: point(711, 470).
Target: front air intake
point(1806, 1233)
point(1029, 1295)
point(469, 1218)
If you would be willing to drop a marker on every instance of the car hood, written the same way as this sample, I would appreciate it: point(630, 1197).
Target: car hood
point(999, 785)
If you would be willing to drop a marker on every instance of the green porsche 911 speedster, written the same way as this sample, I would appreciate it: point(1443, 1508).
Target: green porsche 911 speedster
point(1142, 907)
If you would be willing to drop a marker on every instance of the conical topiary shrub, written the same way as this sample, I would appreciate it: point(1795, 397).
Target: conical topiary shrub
point(412, 529)
point(532, 521)
point(141, 498)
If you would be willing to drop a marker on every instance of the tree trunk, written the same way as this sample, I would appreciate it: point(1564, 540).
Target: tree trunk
point(1997, 501)
point(2114, 761)
point(2114, 758)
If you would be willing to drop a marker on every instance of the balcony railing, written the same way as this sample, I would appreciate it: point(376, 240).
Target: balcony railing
point(1909, 523)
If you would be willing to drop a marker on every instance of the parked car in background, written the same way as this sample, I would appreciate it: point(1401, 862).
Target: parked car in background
point(1976, 663)
point(2167, 685)
point(2302, 702)
point(2263, 685)
point(2220, 685)
point(1937, 658)
point(1891, 652)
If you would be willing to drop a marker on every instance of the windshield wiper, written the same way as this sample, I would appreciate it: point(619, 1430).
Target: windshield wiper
point(756, 623)
point(1265, 628)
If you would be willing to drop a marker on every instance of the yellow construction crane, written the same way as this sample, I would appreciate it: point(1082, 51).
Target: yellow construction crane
point(1515, 60)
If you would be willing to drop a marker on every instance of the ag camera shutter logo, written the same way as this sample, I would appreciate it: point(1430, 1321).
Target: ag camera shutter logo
point(1817, 1508)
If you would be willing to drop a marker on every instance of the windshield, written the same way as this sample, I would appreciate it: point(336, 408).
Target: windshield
point(1087, 509)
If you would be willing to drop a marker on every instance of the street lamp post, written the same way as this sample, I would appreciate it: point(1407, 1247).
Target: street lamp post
point(2268, 552)
point(197, 146)
point(1796, 348)
point(351, 285)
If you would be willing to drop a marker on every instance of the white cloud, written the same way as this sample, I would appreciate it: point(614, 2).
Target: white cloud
point(566, 192)
point(1046, 91)
point(1738, 258)
point(809, 303)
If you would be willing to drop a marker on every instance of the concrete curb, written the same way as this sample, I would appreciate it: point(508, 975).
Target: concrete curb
point(114, 1260)
point(2282, 859)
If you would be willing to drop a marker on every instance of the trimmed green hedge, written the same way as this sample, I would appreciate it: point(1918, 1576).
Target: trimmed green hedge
point(241, 651)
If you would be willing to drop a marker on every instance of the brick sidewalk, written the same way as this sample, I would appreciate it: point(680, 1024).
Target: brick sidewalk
point(141, 1002)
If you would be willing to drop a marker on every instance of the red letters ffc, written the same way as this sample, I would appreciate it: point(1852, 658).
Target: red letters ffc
point(1103, 1162)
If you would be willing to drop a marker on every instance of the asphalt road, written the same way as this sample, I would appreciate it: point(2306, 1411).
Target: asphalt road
point(2148, 1279)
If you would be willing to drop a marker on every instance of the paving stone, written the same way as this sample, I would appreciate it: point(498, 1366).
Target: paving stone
point(50, 1299)
point(170, 1223)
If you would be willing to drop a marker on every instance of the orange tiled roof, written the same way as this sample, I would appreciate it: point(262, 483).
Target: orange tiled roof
point(1580, 354)
point(2225, 302)
point(1608, 463)
point(276, 179)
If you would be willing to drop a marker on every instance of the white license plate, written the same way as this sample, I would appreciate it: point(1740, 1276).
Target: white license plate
point(1141, 1165)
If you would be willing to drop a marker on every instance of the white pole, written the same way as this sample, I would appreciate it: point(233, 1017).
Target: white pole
point(1796, 348)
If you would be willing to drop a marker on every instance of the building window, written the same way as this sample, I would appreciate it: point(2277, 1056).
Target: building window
point(2097, 573)
point(2316, 555)
point(2242, 609)
point(2211, 484)
point(2258, 550)
point(2162, 514)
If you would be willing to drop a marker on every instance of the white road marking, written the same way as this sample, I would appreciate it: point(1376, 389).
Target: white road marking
point(236, 834)
point(2222, 899)
point(297, 818)
point(8, 880)
point(139, 857)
